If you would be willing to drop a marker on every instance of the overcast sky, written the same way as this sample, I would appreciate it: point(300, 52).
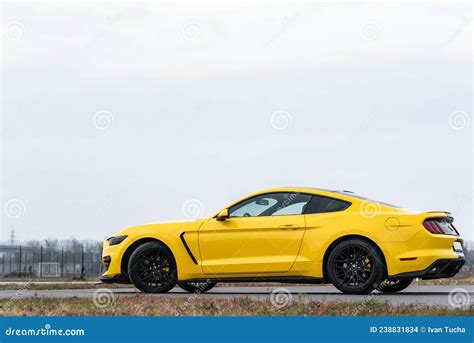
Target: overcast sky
point(120, 114)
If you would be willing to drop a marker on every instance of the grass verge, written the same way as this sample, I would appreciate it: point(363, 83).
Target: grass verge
point(141, 305)
point(59, 286)
point(76, 285)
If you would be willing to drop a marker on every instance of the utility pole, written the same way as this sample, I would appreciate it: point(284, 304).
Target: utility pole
point(41, 262)
point(82, 262)
point(62, 261)
point(12, 235)
point(19, 263)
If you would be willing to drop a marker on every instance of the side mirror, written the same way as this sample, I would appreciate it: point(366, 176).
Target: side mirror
point(223, 215)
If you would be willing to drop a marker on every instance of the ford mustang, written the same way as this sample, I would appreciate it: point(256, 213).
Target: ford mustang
point(291, 235)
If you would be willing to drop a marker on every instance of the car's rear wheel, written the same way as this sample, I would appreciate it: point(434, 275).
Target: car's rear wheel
point(356, 267)
point(394, 286)
point(152, 268)
point(196, 287)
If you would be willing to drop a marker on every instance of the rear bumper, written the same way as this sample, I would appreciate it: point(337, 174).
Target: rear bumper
point(440, 269)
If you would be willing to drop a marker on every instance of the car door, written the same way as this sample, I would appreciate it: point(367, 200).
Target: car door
point(263, 234)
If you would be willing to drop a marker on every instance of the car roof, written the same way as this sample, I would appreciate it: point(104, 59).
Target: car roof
point(340, 194)
point(310, 189)
point(343, 194)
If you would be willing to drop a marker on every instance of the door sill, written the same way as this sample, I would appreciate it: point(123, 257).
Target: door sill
point(280, 279)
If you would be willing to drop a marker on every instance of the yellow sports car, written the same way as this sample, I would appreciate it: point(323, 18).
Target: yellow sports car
point(294, 235)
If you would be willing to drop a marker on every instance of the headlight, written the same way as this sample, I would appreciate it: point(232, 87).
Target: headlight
point(116, 240)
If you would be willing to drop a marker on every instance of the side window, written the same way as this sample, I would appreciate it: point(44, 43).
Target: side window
point(319, 204)
point(252, 207)
point(273, 204)
point(291, 209)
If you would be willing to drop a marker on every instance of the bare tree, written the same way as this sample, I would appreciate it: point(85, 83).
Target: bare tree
point(51, 243)
point(93, 247)
point(73, 245)
point(33, 244)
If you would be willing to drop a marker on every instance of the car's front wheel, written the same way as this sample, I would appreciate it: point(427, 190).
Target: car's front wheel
point(152, 268)
point(196, 287)
point(394, 286)
point(355, 267)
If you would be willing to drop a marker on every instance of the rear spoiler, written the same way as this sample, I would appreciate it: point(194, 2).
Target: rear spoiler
point(440, 214)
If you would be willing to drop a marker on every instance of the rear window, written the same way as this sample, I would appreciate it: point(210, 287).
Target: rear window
point(320, 204)
point(367, 199)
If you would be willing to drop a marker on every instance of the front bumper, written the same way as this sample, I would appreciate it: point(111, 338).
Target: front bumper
point(440, 269)
point(112, 259)
point(120, 278)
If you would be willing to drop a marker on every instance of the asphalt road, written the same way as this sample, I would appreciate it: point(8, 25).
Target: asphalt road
point(429, 295)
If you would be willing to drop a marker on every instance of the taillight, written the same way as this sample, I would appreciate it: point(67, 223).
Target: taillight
point(432, 226)
point(440, 227)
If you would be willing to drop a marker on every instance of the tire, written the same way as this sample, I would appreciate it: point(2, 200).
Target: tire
point(196, 287)
point(152, 268)
point(356, 266)
point(394, 286)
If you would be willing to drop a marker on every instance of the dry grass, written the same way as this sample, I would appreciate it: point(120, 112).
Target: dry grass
point(59, 286)
point(142, 305)
point(465, 277)
point(449, 282)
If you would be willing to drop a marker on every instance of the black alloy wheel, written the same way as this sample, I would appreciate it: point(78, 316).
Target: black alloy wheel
point(152, 268)
point(355, 267)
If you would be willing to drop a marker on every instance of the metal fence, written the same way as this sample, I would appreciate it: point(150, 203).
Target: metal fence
point(24, 261)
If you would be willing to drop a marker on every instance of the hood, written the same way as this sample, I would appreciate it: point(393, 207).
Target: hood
point(160, 226)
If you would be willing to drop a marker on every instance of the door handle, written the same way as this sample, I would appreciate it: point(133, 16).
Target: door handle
point(289, 227)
